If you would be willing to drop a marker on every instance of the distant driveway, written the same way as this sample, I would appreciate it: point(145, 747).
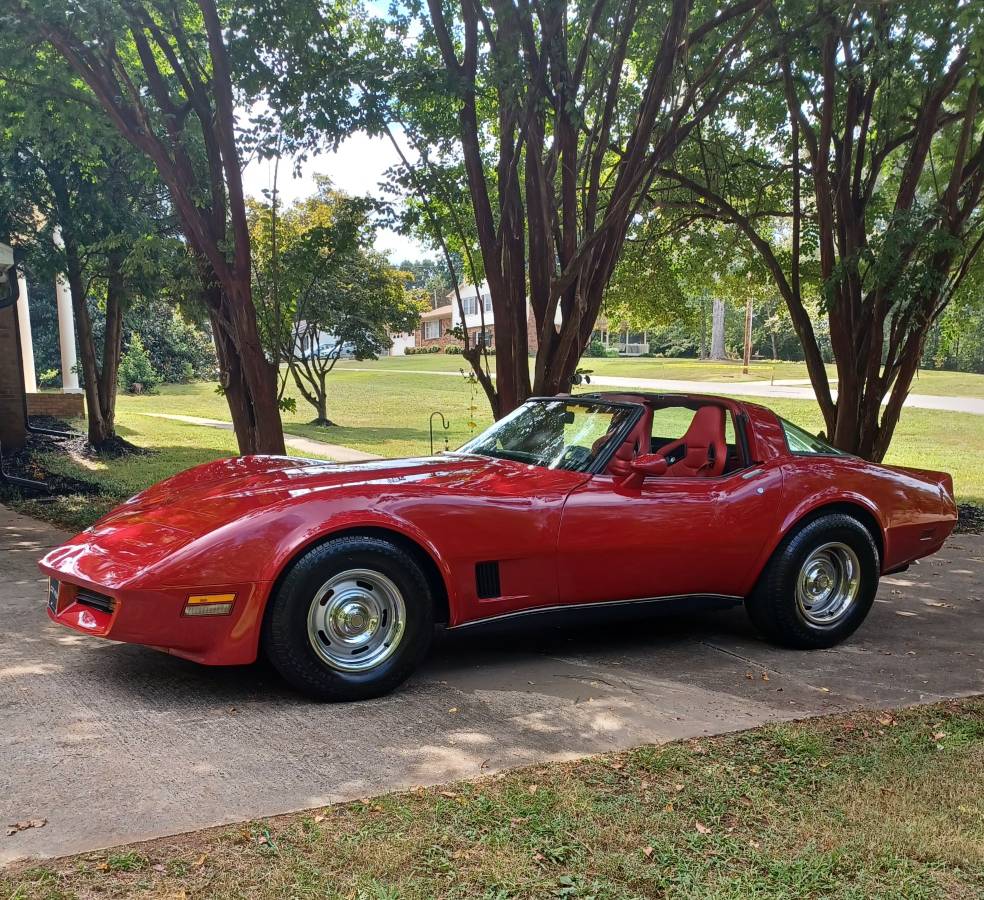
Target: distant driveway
point(112, 743)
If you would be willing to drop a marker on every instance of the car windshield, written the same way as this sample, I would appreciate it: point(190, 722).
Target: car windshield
point(556, 434)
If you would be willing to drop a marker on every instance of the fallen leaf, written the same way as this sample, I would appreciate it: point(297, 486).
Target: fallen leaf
point(200, 861)
point(647, 851)
point(23, 826)
point(319, 818)
point(749, 676)
point(701, 828)
point(939, 735)
point(765, 676)
point(453, 710)
point(886, 720)
point(825, 690)
point(906, 613)
point(754, 845)
point(678, 788)
point(450, 794)
point(532, 788)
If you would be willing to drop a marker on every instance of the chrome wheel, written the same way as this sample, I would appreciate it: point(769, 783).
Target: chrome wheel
point(356, 620)
point(828, 584)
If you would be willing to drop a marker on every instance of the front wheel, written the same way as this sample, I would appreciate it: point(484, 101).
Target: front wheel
point(819, 585)
point(352, 619)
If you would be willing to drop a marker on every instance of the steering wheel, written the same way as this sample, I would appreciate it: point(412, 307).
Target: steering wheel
point(574, 458)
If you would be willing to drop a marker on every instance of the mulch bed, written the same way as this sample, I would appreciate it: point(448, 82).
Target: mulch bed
point(971, 519)
point(28, 462)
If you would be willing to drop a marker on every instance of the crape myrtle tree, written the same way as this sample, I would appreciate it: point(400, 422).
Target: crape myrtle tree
point(528, 136)
point(81, 201)
point(564, 112)
point(863, 137)
point(320, 289)
point(161, 72)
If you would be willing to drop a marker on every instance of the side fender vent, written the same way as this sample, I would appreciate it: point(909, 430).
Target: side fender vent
point(487, 580)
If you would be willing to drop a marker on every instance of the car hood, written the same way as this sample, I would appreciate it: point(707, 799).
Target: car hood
point(163, 519)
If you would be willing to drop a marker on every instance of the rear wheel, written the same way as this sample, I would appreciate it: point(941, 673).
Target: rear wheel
point(819, 585)
point(352, 619)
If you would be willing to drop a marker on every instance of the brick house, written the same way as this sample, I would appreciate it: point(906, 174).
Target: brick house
point(479, 320)
point(434, 327)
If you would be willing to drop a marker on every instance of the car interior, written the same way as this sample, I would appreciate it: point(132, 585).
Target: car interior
point(696, 439)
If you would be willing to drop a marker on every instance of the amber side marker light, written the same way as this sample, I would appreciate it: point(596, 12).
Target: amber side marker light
point(209, 604)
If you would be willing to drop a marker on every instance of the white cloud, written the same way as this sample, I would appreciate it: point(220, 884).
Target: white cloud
point(357, 168)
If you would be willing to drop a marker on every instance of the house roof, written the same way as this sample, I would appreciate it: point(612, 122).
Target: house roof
point(442, 312)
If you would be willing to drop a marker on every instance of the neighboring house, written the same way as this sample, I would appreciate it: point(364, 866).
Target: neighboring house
point(434, 327)
point(620, 338)
point(479, 319)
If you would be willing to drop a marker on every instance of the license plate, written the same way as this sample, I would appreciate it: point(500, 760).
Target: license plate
point(53, 595)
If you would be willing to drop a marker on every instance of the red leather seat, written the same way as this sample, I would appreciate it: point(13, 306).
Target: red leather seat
point(705, 450)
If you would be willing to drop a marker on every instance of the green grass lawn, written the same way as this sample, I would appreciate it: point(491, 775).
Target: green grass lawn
point(384, 408)
point(873, 805)
point(928, 381)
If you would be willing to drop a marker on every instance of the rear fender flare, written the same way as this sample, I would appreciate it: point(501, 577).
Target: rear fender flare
point(838, 500)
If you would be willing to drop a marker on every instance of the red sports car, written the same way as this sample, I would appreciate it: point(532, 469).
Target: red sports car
point(340, 572)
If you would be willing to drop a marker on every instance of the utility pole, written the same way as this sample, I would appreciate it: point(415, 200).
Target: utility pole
point(748, 334)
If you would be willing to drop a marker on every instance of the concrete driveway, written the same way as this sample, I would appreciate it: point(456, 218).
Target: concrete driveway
point(114, 743)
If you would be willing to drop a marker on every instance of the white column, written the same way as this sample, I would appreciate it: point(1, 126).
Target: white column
point(66, 329)
point(26, 341)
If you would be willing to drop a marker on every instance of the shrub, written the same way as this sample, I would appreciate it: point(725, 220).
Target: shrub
point(49, 378)
point(452, 348)
point(595, 349)
point(136, 368)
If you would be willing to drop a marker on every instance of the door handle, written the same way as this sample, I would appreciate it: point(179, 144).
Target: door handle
point(749, 475)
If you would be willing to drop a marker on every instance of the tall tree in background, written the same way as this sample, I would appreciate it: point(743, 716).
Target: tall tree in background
point(161, 72)
point(321, 290)
point(563, 114)
point(69, 173)
point(865, 136)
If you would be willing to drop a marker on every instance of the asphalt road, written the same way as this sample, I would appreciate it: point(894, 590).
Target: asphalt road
point(112, 743)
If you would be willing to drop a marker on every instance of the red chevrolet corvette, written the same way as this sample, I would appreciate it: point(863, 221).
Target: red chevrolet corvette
point(340, 572)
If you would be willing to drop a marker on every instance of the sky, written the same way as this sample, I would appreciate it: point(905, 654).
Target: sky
point(356, 168)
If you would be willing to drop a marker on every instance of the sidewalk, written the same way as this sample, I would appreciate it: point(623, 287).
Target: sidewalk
point(336, 452)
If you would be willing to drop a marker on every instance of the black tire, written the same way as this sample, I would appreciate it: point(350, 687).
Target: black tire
point(773, 606)
point(292, 650)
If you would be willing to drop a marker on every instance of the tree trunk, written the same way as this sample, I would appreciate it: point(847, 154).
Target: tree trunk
point(717, 330)
point(116, 302)
point(258, 375)
point(100, 431)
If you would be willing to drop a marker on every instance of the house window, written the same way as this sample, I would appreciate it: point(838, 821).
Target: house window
point(488, 302)
point(484, 338)
point(470, 305)
point(432, 329)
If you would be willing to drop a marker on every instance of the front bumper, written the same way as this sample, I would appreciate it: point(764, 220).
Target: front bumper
point(155, 618)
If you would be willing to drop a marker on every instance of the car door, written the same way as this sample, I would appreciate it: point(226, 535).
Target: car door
point(668, 537)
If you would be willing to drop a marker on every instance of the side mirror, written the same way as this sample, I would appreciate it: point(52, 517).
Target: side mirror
point(646, 465)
